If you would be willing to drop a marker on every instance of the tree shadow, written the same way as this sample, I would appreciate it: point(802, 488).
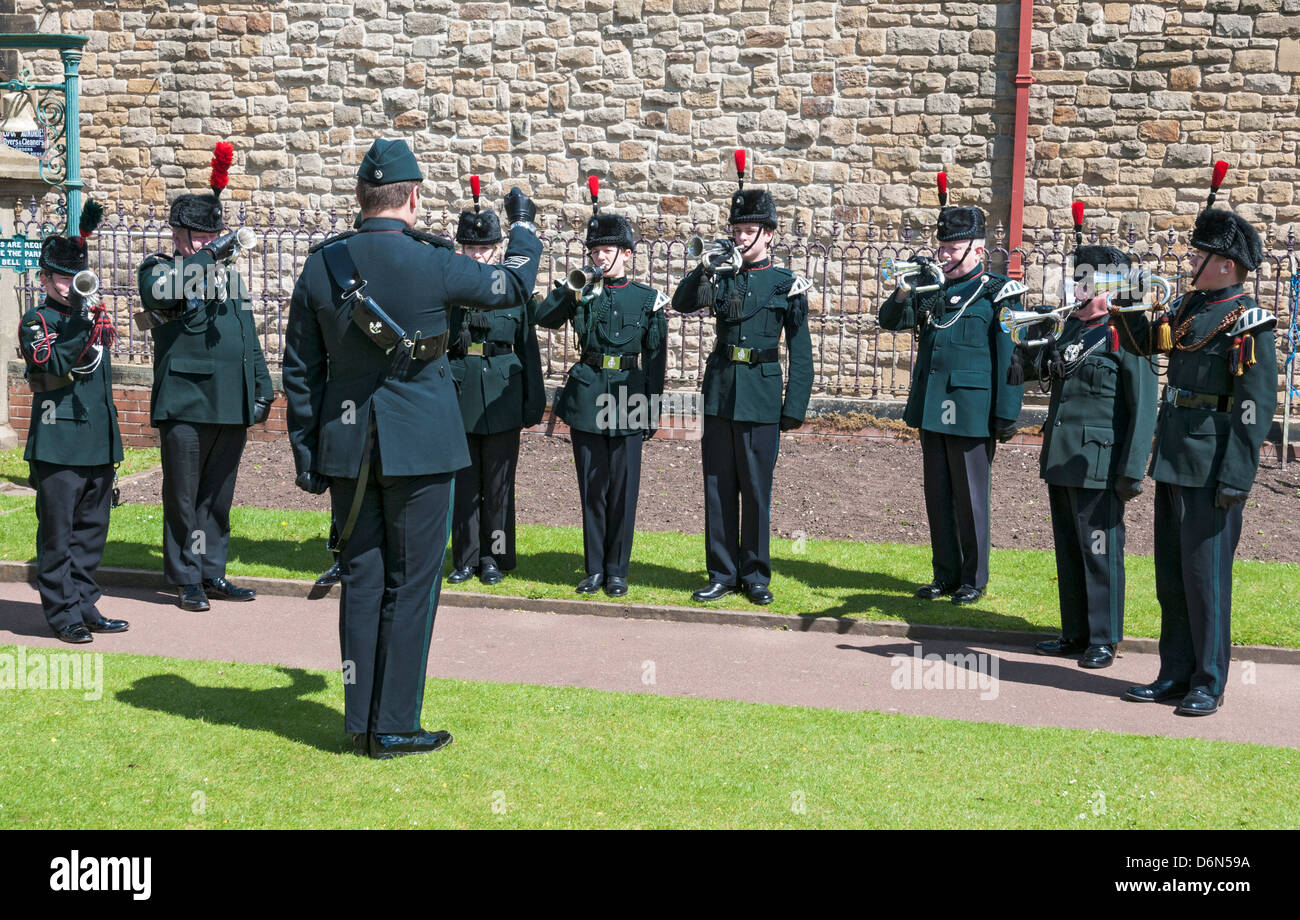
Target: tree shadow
point(280, 710)
point(1061, 673)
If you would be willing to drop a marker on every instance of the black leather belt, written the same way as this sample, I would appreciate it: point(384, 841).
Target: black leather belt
point(740, 355)
point(1187, 399)
point(43, 381)
point(431, 348)
point(600, 360)
point(484, 349)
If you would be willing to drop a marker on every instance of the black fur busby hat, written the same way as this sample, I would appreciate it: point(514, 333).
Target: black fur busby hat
point(203, 212)
point(1224, 233)
point(68, 255)
point(957, 223)
point(477, 227)
point(755, 206)
point(607, 229)
point(1099, 258)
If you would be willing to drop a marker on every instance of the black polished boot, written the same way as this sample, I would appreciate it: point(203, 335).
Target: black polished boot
point(1156, 692)
point(384, 747)
point(712, 591)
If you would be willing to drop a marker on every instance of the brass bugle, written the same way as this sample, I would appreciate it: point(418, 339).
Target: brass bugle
point(228, 246)
point(85, 284)
point(1137, 282)
point(718, 256)
point(580, 279)
point(1017, 322)
point(893, 270)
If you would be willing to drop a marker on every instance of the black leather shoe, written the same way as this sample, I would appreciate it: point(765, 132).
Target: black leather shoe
point(383, 747)
point(109, 626)
point(77, 634)
point(615, 586)
point(331, 576)
point(460, 575)
point(758, 594)
point(712, 591)
point(591, 584)
point(966, 595)
point(361, 744)
point(1098, 656)
point(1061, 646)
point(490, 574)
point(1199, 702)
point(191, 597)
point(934, 591)
point(1156, 692)
point(226, 591)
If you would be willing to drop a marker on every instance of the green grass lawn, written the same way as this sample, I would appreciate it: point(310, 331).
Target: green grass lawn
point(177, 744)
point(13, 468)
point(816, 578)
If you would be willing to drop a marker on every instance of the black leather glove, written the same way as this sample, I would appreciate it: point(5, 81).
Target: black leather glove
point(789, 423)
point(261, 409)
point(519, 207)
point(1227, 496)
point(314, 483)
point(1128, 488)
point(1005, 430)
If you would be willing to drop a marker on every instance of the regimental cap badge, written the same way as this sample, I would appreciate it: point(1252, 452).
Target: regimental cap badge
point(376, 328)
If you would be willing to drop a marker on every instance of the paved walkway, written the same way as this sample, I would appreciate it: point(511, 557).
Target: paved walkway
point(987, 683)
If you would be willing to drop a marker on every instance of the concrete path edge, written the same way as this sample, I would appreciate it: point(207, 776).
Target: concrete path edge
point(283, 587)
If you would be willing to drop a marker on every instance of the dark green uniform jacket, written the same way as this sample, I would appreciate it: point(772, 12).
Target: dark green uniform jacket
point(1200, 445)
point(74, 424)
point(337, 380)
point(498, 392)
point(627, 318)
point(959, 383)
point(1102, 416)
point(208, 366)
point(774, 299)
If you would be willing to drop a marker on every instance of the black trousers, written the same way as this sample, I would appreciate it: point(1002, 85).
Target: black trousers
point(391, 572)
point(1088, 528)
point(1195, 544)
point(957, 473)
point(72, 506)
point(609, 481)
point(199, 464)
point(739, 459)
point(483, 526)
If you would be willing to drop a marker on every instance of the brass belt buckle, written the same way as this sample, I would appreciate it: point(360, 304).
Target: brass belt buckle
point(741, 354)
point(475, 348)
point(611, 362)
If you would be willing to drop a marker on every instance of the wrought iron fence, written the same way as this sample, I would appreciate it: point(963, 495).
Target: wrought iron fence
point(853, 356)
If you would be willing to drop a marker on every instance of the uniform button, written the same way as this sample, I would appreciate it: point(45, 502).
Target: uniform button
point(742, 338)
point(1058, 423)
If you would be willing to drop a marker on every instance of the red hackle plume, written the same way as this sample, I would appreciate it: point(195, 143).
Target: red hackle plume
point(222, 156)
point(474, 189)
point(942, 181)
point(593, 186)
point(1220, 170)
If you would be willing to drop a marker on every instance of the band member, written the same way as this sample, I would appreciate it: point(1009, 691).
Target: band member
point(1096, 442)
point(73, 443)
point(1215, 413)
point(498, 370)
point(210, 383)
point(373, 417)
point(611, 398)
point(960, 398)
point(752, 301)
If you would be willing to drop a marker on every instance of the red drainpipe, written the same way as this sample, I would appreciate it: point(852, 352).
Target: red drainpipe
point(1015, 266)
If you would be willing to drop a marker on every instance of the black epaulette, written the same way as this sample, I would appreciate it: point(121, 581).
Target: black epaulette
point(332, 239)
point(439, 241)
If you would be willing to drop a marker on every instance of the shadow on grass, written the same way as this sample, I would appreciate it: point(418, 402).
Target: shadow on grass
point(1059, 673)
point(280, 710)
point(876, 594)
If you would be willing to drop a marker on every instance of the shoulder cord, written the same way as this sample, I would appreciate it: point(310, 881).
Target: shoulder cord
point(1232, 317)
point(983, 281)
point(44, 344)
